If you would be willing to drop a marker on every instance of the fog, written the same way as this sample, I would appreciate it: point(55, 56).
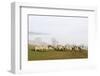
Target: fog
point(66, 30)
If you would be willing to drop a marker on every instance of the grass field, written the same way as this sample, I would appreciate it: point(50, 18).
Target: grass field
point(52, 54)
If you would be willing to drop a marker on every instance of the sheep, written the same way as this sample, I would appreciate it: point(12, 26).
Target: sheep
point(41, 48)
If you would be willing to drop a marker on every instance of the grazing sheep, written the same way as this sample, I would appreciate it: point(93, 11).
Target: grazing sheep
point(68, 47)
point(41, 48)
point(76, 48)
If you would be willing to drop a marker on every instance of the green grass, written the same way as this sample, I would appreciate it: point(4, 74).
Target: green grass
point(52, 54)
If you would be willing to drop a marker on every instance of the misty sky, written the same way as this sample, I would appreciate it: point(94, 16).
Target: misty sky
point(64, 29)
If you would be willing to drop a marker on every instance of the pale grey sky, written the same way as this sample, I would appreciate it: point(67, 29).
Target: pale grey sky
point(64, 29)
